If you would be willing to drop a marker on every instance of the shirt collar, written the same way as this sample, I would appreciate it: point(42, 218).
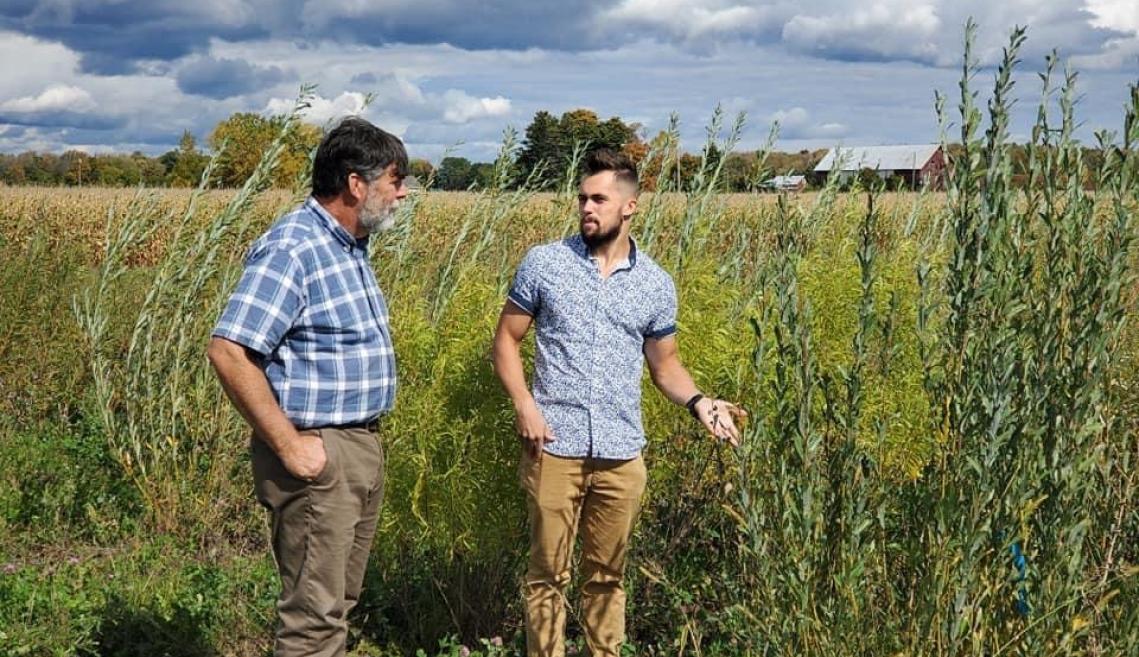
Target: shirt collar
point(333, 226)
point(577, 244)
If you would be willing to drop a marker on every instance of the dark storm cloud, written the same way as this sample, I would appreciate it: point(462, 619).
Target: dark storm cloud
point(62, 119)
point(112, 37)
point(225, 78)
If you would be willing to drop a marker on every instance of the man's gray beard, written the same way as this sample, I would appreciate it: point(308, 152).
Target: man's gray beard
point(378, 222)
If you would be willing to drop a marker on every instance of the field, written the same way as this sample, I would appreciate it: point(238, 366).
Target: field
point(941, 457)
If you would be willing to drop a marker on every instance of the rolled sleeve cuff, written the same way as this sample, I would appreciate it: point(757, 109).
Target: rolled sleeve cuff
point(528, 308)
point(244, 338)
point(662, 333)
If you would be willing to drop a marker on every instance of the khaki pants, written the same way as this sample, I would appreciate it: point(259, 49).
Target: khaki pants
point(604, 496)
point(322, 532)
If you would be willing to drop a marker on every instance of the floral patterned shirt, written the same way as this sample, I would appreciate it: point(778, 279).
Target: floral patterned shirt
point(590, 334)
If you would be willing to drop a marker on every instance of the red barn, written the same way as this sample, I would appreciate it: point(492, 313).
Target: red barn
point(918, 166)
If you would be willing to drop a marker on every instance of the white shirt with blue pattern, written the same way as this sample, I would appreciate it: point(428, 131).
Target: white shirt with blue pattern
point(308, 302)
point(590, 334)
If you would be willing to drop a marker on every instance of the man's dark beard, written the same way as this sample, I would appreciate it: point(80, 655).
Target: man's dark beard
point(600, 239)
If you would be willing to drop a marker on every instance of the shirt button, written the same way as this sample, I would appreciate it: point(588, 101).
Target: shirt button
point(348, 249)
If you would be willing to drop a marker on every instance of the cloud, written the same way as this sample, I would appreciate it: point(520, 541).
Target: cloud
point(58, 106)
point(797, 123)
point(322, 111)
point(224, 78)
point(114, 37)
point(54, 98)
point(126, 37)
point(1121, 17)
point(461, 107)
point(688, 20)
point(62, 119)
point(397, 96)
point(891, 30)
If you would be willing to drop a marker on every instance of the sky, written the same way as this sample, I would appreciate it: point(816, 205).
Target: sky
point(448, 76)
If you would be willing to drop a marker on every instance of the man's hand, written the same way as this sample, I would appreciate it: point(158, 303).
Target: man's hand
point(719, 418)
point(304, 456)
point(532, 428)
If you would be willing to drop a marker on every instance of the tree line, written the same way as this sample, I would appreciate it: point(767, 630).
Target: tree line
point(542, 159)
point(544, 154)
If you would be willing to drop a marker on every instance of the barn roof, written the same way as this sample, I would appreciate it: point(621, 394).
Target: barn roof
point(890, 158)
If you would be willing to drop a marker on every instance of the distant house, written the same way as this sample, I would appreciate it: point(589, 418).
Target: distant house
point(920, 165)
point(412, 183)
point(786, 183)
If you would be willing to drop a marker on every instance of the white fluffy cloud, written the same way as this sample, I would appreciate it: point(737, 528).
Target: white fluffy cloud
point(54, 98)
point(1121, 16)
point(321, 110)
point(396, 95)
point(461, 107)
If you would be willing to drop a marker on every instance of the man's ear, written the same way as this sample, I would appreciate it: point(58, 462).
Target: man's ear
point(357, 187)
point(630, 208)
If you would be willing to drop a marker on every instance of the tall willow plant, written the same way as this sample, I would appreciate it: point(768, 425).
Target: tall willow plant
point(1018, 535)
point(158, 403)
point(1034, 300)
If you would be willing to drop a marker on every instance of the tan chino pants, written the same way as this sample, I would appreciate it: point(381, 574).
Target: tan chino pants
point(603, 497)
point(321, 534)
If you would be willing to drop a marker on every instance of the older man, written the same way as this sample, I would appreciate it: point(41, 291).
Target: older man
point(601, 308)
point(304, 352)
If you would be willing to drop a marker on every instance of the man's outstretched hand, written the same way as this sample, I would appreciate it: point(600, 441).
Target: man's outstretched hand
point(719, 418)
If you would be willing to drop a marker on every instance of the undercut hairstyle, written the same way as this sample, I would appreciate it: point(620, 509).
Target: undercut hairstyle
point(605, 159)
point(354, 146)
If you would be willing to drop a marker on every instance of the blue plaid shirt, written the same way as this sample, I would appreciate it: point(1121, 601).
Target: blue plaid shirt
point(590, 334)
point(309, 304)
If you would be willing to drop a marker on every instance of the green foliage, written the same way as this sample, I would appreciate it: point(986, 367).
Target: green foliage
point(63, 486)
point(550, 143)
point(130, 601)
point(454, 174)
point(242, 141)
point(184, 166)
point(41, 373)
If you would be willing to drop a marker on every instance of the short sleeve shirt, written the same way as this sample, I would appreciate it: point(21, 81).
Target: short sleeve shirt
point(590, 334)
point(309, 304)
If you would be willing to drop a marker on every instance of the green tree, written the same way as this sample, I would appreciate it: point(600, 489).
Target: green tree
point(77, 167)
point(455, 173)
point(247, 136)
point(421, 169)
point(483, 174)
point(185, 165)
point(542, 146)
point(550, 142)
point(739, 172)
